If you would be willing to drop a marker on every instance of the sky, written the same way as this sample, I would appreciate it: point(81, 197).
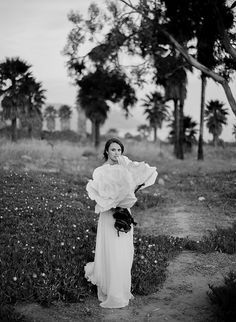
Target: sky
point(36, 31)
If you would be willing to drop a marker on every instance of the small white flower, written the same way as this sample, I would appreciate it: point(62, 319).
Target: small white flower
point(34, 275)
point(14, 278)
point(43, 274)
point(201, 198)
point(155, 261)
point(41, 251)
point(62, 243)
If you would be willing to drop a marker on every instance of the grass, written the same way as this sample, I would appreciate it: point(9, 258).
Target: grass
point(74, 157)
point(48, 226)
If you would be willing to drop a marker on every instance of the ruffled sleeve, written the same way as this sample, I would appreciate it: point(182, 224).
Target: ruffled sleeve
point(111, 186)
point(141, 172)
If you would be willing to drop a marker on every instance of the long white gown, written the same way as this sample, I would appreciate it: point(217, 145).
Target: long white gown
point(112, 186)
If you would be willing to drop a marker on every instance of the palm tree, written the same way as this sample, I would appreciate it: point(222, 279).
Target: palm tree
point(216, 117)
point(99, 87)
point(65, 115)
point(206, 40)
point(13, 72)
point(189, 132)
point(31, 114)
point(156, 111)
point(50, 115)
point(172, 75)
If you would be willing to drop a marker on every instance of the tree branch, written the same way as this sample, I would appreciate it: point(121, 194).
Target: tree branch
point(194, 62)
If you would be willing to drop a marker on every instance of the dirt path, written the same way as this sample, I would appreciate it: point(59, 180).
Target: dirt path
point(182, 298)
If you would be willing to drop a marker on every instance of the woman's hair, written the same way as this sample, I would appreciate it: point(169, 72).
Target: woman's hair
point(108, 143)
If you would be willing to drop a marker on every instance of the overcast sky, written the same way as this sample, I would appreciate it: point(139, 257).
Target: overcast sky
point(36, 31)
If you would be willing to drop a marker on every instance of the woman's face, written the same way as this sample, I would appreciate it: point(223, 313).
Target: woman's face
point(113, 152)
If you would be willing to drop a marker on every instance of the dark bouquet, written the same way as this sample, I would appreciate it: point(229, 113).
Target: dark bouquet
point(123, 220)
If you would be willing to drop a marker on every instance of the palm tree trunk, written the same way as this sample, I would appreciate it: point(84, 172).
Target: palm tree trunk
point(30, 129)
point(155, 133)
point(202, 108)
point(176, 116)
point(215, 140)
point(97, 134)
point(13, 130)
point(181, 130)
point(93, 131)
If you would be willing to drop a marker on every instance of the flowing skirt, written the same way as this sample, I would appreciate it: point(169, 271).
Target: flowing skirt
point(111, 269)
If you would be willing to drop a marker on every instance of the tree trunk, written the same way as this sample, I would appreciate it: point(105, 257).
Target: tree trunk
point(176, 127)
point(93, 131)
point(215, 140)
point(30, 130)
point(97, 134)
point(202, 112)
point(13, 130)
point(181, 130)
point(155, 133)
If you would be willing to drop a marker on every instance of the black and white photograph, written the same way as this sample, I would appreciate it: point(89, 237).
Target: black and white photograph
point(118, 161)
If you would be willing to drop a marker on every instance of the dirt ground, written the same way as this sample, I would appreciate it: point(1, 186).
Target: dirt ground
point(183, 296)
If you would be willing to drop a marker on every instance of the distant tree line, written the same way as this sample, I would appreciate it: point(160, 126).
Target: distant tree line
point(23, 98)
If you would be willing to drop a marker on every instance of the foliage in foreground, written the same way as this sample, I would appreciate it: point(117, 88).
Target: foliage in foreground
point(48, 230)
point(224, 298)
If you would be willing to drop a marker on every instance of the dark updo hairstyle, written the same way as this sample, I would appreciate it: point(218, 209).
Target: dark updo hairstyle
point(108, 143)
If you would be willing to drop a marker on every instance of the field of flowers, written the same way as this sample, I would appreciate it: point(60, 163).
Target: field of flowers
point(48, 230)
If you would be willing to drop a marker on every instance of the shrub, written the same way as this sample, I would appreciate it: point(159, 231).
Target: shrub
point(151, 260)
point(224, 298)
point(220, 239)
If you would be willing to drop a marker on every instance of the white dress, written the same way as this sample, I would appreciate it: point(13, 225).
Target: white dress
point(112, 186)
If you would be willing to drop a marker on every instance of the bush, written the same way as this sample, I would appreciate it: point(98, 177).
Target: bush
point(222, 239)
point(224, 298)
point(151, 260)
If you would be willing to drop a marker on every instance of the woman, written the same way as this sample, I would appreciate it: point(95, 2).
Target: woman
point(113, 185)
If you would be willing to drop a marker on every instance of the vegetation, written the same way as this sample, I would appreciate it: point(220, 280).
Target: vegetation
point(64, 114)
point(50, 114)
point(156, 111)
point(216, 117)
point(22, 97)
point(189, 133)
point(48, 225)
point(223, 297)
